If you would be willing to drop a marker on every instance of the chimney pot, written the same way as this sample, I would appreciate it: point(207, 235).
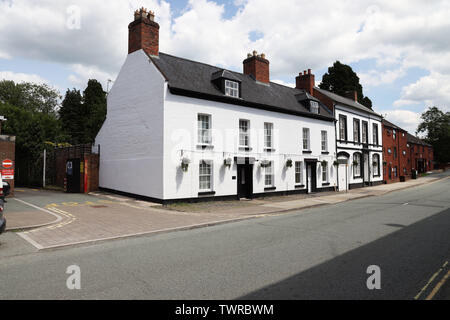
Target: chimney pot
point(306, 81)
point(257, 66)
point(143, 33)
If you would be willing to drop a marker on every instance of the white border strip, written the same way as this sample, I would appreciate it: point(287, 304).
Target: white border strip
point(58, 217)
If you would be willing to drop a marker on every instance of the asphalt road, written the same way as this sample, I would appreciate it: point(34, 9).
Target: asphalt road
point(320, 253)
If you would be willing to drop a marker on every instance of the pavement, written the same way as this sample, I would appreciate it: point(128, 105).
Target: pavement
point(50, 219)
point(316, 253)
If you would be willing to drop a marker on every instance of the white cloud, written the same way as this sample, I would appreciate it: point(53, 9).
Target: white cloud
point(296, 35)
point(431, 90)
point(405, 119)
point(84, 73)
point(21, 77)
point(376, 78)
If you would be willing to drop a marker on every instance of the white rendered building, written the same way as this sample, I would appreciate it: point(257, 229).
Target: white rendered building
point(180, 130)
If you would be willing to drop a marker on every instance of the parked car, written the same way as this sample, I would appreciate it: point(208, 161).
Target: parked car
point(2, 218)
point(4, 192)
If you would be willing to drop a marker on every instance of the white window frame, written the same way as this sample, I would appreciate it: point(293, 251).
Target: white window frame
point(299, 172)
point(356, 133)
point(325, 172)
point(314, 107)
point(268, 135)
point(306, 134)
point(365, 132)
point(269, 175)
point(204, 136)
point(324, 140)
point(376, 168)
point(203, 174)
point(375, 134)
point(232, 88)
point(342, 127)
point(357, 168)
point(244, 134)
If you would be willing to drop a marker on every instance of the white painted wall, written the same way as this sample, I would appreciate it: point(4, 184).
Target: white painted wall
point(371, 119)
point(180, 133)
point(131, 139)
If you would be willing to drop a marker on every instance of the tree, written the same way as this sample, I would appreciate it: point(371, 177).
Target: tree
point(30, 96)
point(436, 125)
point(83, 115)
point(341, 79)
point(72, 117)
point(94, 100)
point(32, 130)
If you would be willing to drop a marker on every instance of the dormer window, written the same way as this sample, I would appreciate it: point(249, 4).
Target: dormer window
point(314, 107)
point(232, 88)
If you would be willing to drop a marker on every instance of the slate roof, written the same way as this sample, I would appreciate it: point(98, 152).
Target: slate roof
point(415, 140)
point(391, 125)
point(194, 79)
point(346, 101)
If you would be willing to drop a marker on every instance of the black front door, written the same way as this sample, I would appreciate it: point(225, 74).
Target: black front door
point(311, 176)
point(245, 180)
point(73, 175)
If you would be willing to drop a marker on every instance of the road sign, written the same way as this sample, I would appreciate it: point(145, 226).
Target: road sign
point(8, 174)
point(7, 164)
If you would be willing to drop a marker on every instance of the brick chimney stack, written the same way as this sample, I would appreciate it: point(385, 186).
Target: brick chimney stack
point(257, 66)
point(143, 33)
point(306, 81)
point(352, 95)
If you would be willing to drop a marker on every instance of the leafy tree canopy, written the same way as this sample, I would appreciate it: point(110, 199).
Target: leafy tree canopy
point(341, 79)
point(82, 115)
point(30, 96)
point(436, 125)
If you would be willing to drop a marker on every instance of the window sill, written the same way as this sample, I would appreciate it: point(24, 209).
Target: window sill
point(325, 153)
point(206, 193)
point(307, 152)
point(299, 186)
point(270, 188)
point(245, 149)
point(205, 146)
point(269, 149)
point(326, 184)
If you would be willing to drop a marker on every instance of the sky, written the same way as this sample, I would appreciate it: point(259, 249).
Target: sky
point(399, 49)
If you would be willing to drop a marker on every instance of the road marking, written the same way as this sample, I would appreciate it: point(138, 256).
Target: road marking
point(438, 286)
point(58, 218)
point(430, 281)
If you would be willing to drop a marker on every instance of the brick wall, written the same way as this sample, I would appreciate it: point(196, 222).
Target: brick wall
point(258, 67)
point(397, 157)
point(91, 172)
point(143, 34)
point(421, 157)
point(8, 151)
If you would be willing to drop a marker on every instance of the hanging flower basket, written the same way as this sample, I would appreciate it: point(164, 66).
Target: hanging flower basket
point(384, 163)
point(324, 163)
point(375, 164)
point(264, 163)
point(336, 163)
point(288, 163)
point(227, 162)
point(185, 164)
point(355, 163)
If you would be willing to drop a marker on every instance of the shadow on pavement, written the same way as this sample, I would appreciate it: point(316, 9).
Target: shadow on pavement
point(407, 258)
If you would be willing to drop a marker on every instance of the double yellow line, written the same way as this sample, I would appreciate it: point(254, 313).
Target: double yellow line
point(438, 285)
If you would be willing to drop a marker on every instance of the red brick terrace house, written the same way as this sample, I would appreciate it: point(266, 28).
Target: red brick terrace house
point(396, 156)
point(421, 154)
